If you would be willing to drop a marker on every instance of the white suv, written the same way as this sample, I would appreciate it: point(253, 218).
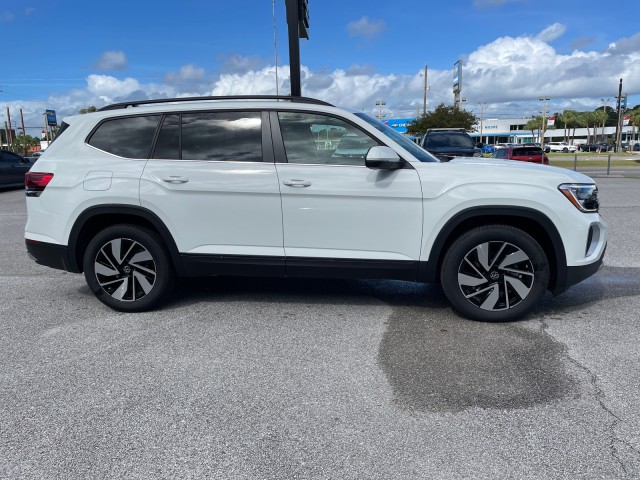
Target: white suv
point(561, 147)
point(139, 194)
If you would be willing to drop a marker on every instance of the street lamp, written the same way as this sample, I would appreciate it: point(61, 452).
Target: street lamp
point(604, 109)
point(544, 118)
point(481, 118)
point(380, 104)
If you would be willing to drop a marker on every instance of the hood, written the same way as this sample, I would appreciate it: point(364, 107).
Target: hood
point(519, 168)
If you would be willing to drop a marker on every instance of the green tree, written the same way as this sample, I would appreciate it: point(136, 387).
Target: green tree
point(89, 109)
point(22, 143)
point(534, 125)
point(571, 121)
point(442, 117)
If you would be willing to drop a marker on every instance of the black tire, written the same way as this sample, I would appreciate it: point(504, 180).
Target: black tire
point(565, 150)
point(494, 273)
point(128, 268)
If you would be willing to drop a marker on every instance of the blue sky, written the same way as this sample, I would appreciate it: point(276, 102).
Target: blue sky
point(65, 55)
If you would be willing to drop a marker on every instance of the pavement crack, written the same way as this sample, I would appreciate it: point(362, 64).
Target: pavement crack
point(599, 396)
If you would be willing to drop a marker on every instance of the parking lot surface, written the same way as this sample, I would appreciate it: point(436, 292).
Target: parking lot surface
point(258, 378)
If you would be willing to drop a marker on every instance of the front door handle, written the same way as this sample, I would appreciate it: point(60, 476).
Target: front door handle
point(175, 179)
point(296, 183)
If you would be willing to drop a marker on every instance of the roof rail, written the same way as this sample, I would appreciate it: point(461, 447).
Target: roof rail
point(118, 106)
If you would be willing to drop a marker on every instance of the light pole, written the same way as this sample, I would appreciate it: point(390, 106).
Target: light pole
point(424, 100)
point(380, 104)
point(604, 109)
point(481, 119)
point(544, 118)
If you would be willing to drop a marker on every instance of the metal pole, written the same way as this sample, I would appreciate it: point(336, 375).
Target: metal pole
point(24, 132)
point(609, 164)
point(294, 47)
point(619, 117)
point(10, 137)
point(575, 162)
point(424, 100)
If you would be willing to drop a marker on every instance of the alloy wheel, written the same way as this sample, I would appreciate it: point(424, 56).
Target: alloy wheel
point(125, 269)
point(496, 275)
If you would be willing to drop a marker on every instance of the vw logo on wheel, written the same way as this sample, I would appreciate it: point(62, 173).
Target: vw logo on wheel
point(494, 275)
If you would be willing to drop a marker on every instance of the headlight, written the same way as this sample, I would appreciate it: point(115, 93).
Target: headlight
point(583, 196)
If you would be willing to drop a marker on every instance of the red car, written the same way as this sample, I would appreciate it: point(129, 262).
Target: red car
point(523, 153)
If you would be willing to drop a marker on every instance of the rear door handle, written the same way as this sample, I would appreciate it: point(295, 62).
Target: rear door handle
point(296, 183)
point(175, 179)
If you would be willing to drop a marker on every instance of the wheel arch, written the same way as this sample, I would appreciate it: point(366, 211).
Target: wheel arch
point(97, 218)
point(533, 222)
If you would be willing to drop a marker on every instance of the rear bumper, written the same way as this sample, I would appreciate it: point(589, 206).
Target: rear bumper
point(50, 255)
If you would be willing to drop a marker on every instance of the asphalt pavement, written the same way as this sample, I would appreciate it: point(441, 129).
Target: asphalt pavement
point(290, 379)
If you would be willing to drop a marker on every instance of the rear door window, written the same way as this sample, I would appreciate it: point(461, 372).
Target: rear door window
point(221, 136)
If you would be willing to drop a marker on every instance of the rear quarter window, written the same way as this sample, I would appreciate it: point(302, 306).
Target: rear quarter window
point(129, 137)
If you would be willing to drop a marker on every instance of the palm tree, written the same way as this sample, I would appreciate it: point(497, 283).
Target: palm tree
point(533, 125)
point(599, 117)
point(571, 120)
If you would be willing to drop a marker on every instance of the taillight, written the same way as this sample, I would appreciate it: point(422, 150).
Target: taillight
point(36, 182)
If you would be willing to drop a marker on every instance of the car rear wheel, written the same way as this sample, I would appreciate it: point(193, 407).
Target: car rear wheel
point(565, 150)
point(128, 268)
point(494, 273)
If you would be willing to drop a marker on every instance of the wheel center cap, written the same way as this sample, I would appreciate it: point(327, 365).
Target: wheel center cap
point(494, 275)
point(126, 269)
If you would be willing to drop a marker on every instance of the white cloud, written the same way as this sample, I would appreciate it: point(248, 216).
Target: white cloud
point(235, 63)
point(112, 60)
point(106, 88)
point(187, 74)
point(508, 74)
point(365, 27)
point(7, 16)
point(551, 33)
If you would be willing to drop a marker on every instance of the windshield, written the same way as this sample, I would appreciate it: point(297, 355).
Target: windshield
point(418, 152)
point(449, 139)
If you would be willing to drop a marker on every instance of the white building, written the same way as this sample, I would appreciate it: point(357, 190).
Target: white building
point(491, 131)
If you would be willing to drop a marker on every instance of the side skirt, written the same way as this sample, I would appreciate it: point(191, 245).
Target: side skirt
point(298, 267)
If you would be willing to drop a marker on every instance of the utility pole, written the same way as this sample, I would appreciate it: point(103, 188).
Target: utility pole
point(544, 118)
point(481, 119)
point(604, 109)
point(10, 136)
point(424, 101)
point(618, 127)
point(24, 132)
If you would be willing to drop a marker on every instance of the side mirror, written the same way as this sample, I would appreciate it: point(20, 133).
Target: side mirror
point(382, 158)
point(479, 145)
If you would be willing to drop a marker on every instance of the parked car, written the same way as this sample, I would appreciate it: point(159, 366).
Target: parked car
point(595, 147)
point(487, 148)
point(449, 143)
point(636, 147)
point(522, 153)
point(138, 197)
point(13, 168)
point(561, 147)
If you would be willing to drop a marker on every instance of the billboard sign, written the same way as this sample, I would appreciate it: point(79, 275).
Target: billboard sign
point(51, 117)
point(457, 76)
point(399, 124)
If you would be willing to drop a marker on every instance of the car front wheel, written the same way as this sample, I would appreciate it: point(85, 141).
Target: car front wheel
point(128, 268)
point(494, 273)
